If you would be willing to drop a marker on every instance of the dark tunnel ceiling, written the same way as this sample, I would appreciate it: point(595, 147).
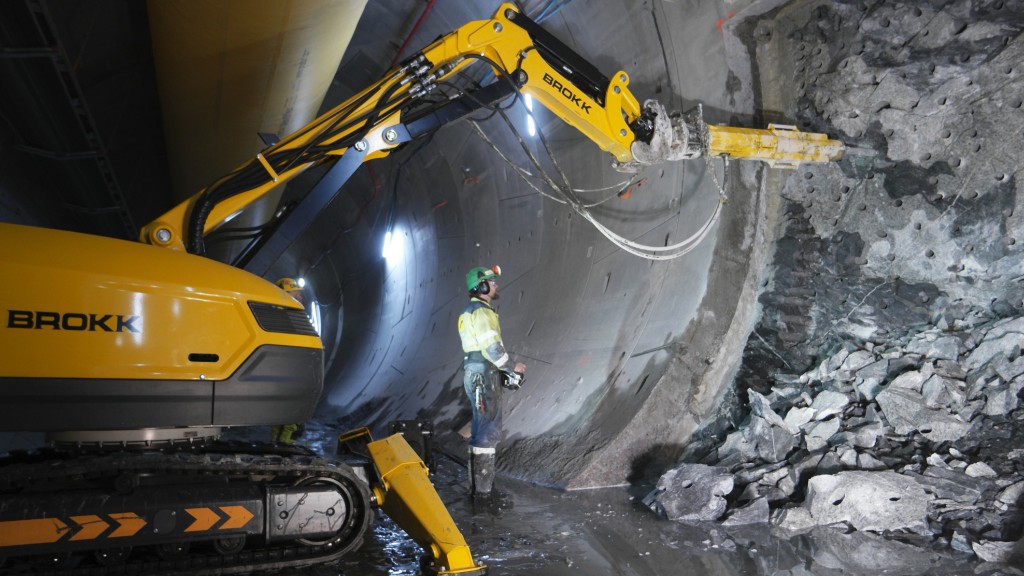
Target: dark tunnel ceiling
point(81, 119)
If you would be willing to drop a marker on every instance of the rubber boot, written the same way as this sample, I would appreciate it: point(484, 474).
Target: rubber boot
point(481, 474)
point(283, 434)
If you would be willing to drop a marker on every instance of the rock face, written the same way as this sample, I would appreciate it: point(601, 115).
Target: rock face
point(925, 229)
point(892, 329)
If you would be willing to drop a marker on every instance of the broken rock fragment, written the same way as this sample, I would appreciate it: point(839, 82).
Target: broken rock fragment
point(691, 493)
point(872, 501)
point(907, 411)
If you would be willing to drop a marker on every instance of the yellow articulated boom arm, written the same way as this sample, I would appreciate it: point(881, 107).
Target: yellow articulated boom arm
point(403, 490)
point(419, 96)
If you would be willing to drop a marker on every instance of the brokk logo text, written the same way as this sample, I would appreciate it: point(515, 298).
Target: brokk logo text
point(569, 94)
point(73, 321)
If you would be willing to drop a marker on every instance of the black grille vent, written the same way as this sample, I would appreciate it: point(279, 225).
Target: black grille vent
point(274, 318)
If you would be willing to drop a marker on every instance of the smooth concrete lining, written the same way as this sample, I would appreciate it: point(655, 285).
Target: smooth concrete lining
point(618, 347)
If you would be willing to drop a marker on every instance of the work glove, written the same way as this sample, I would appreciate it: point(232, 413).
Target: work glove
point(512, 380)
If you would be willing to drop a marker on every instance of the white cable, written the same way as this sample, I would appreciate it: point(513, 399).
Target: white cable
point(644, 251)
point(619, 186)
point(521, 171)
point(686, 244)
point(681, 248)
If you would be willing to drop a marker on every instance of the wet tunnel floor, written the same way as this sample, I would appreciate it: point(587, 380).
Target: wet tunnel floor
point(608, 531)
point(543, 532)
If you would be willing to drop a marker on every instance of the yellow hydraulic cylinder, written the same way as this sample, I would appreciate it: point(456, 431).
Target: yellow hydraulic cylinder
point(780, 146)
point(407, 497)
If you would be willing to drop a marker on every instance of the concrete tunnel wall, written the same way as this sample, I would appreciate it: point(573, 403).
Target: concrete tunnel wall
point(631, 362)
point(618, 347)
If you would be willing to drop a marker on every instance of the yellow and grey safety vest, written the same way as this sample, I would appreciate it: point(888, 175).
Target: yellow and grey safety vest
point(481, 334)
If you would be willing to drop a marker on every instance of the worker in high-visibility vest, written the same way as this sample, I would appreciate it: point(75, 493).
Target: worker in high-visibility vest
point(487, 368)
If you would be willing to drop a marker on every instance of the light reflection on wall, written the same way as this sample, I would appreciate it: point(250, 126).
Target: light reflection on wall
point(394, 247)
point(314, 314)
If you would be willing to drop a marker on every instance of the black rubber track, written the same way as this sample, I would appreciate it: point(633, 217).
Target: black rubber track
point(25, 474)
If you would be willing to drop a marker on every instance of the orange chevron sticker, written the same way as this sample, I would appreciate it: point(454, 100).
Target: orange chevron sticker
point(129, 522)
point(205, 519)
point(91, 527)
point(238, 516)
point(38, 531)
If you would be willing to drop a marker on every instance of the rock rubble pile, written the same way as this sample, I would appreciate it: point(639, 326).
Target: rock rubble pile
point(912, 440)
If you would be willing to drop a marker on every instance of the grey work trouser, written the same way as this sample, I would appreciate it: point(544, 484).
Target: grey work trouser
point(483, 387)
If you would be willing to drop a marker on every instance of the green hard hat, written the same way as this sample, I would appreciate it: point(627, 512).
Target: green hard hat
point(477, 275)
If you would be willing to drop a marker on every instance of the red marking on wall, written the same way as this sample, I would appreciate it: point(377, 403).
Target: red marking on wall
point(585, 359)
point(440, 204)
point(722, 20)
point(470, 180)
point(373, 177)
point(624, 195)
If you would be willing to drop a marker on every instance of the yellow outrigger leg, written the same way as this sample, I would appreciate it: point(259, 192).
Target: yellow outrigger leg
point(407, 496)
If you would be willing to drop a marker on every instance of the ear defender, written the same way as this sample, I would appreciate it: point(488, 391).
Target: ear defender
point(477, 279)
